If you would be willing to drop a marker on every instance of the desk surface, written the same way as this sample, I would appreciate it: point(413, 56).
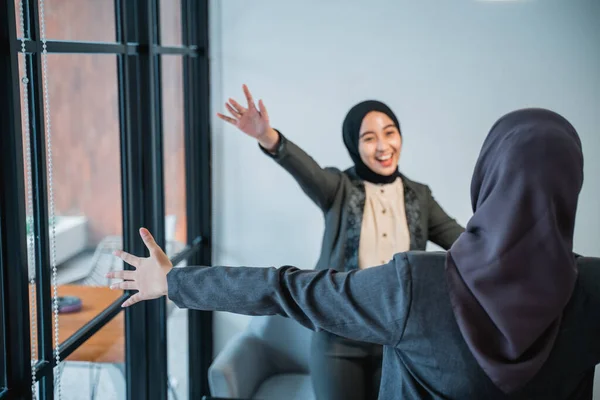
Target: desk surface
point(108, 344)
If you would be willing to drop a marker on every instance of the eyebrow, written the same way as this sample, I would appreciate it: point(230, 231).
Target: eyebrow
point(384, 128)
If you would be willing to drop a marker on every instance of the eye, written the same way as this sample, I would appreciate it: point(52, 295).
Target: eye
point(390, 133)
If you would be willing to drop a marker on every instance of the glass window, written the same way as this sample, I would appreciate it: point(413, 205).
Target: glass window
point(18, 16)
point(175, 208)
point(170, 23)
point(86, 183)
point(174, 153)
point(80, 20)
point(96, 367)
point(28, 196)
point(85, 191)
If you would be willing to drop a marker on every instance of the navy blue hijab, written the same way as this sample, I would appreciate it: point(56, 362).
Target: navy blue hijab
point(351, 135)
point(512, 272)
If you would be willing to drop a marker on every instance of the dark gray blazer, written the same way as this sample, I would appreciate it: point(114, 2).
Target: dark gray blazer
point(341, 197)
point(405, 306)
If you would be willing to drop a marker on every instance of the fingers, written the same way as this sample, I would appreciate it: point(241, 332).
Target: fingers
point(136, 298)
point(126, 285)
point(263, 111)
point(233, 112)
point(248, 96)
point(126, 275)
point(128, 258)
point(149, 241)
point(225, 118)
point(237, 106)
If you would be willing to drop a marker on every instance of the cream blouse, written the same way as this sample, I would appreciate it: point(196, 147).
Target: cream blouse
point(384, 231)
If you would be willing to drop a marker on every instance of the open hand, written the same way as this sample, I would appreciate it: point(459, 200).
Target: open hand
point(253, 121)
point(150, 275)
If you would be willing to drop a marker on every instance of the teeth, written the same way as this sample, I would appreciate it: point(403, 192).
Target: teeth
point(384, 158)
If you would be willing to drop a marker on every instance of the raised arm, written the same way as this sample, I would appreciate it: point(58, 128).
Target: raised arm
point(369, 305)
point(320, 184)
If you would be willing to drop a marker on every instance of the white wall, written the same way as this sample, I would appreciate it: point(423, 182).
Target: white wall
point(449, 69)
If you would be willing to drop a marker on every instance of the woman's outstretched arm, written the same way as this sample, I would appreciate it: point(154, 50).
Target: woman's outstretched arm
point(320, 184)
point(369, 305)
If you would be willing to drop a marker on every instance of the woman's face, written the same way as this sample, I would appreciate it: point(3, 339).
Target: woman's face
point(379, 143)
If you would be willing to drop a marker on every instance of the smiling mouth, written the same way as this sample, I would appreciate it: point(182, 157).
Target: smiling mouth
point(384, 158)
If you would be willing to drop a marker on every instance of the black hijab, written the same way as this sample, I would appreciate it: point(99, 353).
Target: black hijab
point(512, 272)
point(351, 132)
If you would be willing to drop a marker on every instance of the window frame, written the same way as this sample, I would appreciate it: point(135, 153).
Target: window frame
point(138, 50)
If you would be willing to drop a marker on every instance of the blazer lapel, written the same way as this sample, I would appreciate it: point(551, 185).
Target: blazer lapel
point(355, 210)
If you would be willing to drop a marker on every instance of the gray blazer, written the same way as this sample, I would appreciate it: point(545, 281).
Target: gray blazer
point(404, 306)
point(341, 197)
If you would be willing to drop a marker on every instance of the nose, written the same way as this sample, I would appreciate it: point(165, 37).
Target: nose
point(381, 144)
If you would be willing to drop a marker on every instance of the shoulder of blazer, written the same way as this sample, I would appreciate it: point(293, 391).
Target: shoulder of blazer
point(420, 188)
point(351, 175)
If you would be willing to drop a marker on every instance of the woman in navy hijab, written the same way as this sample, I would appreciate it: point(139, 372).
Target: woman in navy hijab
point(509, 312)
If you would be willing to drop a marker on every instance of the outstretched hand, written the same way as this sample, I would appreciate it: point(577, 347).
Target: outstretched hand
point(253, 121)
point(150, 275)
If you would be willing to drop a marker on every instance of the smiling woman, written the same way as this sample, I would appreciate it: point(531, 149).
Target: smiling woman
point(376, 151)
point(371, 210)
point(380, 143)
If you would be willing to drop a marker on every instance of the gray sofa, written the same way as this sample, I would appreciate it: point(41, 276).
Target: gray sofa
point(267, 361)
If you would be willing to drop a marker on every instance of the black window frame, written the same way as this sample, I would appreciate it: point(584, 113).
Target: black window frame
point(138, 51)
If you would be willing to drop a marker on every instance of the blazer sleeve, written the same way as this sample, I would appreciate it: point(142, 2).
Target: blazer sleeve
point(320, 184)
point(367, 305)
point(443, 230)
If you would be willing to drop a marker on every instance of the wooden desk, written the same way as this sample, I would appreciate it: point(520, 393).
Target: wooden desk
point(108, 344)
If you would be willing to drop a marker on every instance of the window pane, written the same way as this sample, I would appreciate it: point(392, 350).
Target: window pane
point(170, 23)
point(80, 20)
point(18, 16)
point(174, 153)
point(177, 351)
point(176, 221)
point(29, 221)
point(86, 182)
point(95, 369)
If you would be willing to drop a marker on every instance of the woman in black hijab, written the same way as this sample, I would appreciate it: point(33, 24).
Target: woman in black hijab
point(371, 213)
point(510, 312)
point(513, 272)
